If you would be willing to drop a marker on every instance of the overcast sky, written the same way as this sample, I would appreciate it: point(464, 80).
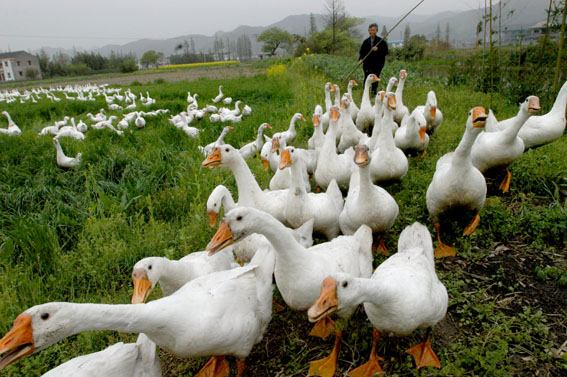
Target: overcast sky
point(31, 24)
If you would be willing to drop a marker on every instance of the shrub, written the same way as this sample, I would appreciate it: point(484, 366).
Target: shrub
point(128, 65)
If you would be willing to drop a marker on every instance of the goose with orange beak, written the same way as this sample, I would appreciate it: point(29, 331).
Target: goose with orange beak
point(251, 149)
point(401, 109)
point(191, 322)
point(412, 136)
point(352, 108)
point(389, 163)
point(433, 116)
point(249, 192)
point(403, 294)
point(326, 117)
point(316, 141)
point(499, 149)
point(367, 203)
point(457, 183)
point(299, 271)
point(291, 132)
point(350, 135)
point(282, 178)
point(331, 165)
point(365, 118)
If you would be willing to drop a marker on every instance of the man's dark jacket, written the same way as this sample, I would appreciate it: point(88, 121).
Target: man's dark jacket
point(375, 61)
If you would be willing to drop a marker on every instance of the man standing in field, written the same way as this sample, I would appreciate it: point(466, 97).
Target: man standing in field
point(375, 61)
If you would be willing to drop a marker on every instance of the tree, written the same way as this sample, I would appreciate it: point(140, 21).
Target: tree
point(438, 34)
point(244, 47)
point(193, 51)
point(447, 34)
point(407, 33)
point(150, 58)
point(335, 18)
point(312, 24)
point(384, 31)
point(273, 38)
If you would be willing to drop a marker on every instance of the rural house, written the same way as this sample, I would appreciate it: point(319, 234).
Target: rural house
point(19, 65)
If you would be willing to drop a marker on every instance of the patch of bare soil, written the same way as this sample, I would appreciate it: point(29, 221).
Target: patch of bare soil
point(170, 76)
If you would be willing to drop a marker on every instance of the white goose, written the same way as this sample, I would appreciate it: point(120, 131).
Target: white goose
point(251, 149)
point(249, 192)
point(401, 109)
point(290, 134)
point(269, 159)
point(138, 359)
point(140, 122)
point(403, 294)
point(543, 129)
point(245, 250)
point(219, 97)
point(222, 313)
point(389, 163)
point(365, 118)
point(433, 116)
point(282, 178)
point(412, 135)
point(378, 113)
point(227, 100)
point(70, 131)
point(13, 129)
point(64, 161)
point(350, 135)
point(330, 165)
point(173, 274)
point(457, 183)
point(317, 140)
point(367, 203)
point(299, 271)
point(325, 118)
point(207, 149)
point(302, 205)
point(499, 149)
point(352, 108)
point(82, 126)
point(226, 112)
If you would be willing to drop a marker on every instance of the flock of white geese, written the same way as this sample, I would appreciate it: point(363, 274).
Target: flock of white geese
point(218, 302)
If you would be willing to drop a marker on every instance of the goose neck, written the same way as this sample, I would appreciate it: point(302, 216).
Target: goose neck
point(245, 181)
point(561, 100)
point(463, 151)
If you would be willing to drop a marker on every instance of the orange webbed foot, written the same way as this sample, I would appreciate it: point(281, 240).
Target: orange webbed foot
point(217, 366)
point(472, 225)
point(369, 369)
point(505, 185)
point(424, 356)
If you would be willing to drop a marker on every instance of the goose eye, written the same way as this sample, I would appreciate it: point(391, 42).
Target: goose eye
point(44, 316)
point(226, 150)
point(214, 205)
point(238, 218)
point(150, 267)
point(345, 284)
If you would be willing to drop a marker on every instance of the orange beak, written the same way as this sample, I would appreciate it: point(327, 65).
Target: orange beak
point(479, 117)
point(334, 114)
point(392, 101)
point(285, 159)
point(403, 74)
point(376, 78)
point(18, 342)
point(361, 155)
point(268, 126)
point(316, 121)
point(422, 134)
point(354, 83)
point(432, 112)
point(221, 239)
point(266, 164)
point(213, 160)
point(343, 105)
point(327, 302)
point(142, 286)
point(275, 144)
point(230, 128)
point(533, 105)
point(302, 118)
point(333, 88)
point(212, 218)
point(382, 95)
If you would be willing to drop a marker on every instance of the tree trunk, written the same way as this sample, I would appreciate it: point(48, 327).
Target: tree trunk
point(560, 52)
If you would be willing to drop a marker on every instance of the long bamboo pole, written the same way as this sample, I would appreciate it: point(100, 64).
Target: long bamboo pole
point(383, 38)
point(560, 52)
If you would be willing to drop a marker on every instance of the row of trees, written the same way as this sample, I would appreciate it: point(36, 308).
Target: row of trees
point(84, 63)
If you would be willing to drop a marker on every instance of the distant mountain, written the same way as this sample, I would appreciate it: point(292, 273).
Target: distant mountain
point(462, 28)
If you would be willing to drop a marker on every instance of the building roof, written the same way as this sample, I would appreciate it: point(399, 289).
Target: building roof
point(8, 55)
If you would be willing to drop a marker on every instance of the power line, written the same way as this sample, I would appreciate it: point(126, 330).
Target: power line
point(65, 37)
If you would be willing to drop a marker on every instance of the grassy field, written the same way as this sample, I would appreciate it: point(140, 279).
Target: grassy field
point(75, 235)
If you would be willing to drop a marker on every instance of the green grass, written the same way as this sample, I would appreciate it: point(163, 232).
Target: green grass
point(75, 235)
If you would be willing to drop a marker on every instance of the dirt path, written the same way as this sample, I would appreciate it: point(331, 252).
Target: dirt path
point(171, 76)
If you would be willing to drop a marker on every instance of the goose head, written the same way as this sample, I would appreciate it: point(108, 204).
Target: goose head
point(297, 116)
point(263, 126)
point(345, 101)
point(288, 157)
point(391, 83)
point(403, 74)
point(361, 155)
point(221, 156)
point(278, 142)
point(432, 103)
point(352, 83)
point(477, 118)
point(420, 122)
point(145, 275)
point(372, 78)
point(34, 330)
point(531, 105)
point(214, 203)
point(390, 101)
point(316, 120)
point(236, 225)
point(329, 87)
point(339, 293)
